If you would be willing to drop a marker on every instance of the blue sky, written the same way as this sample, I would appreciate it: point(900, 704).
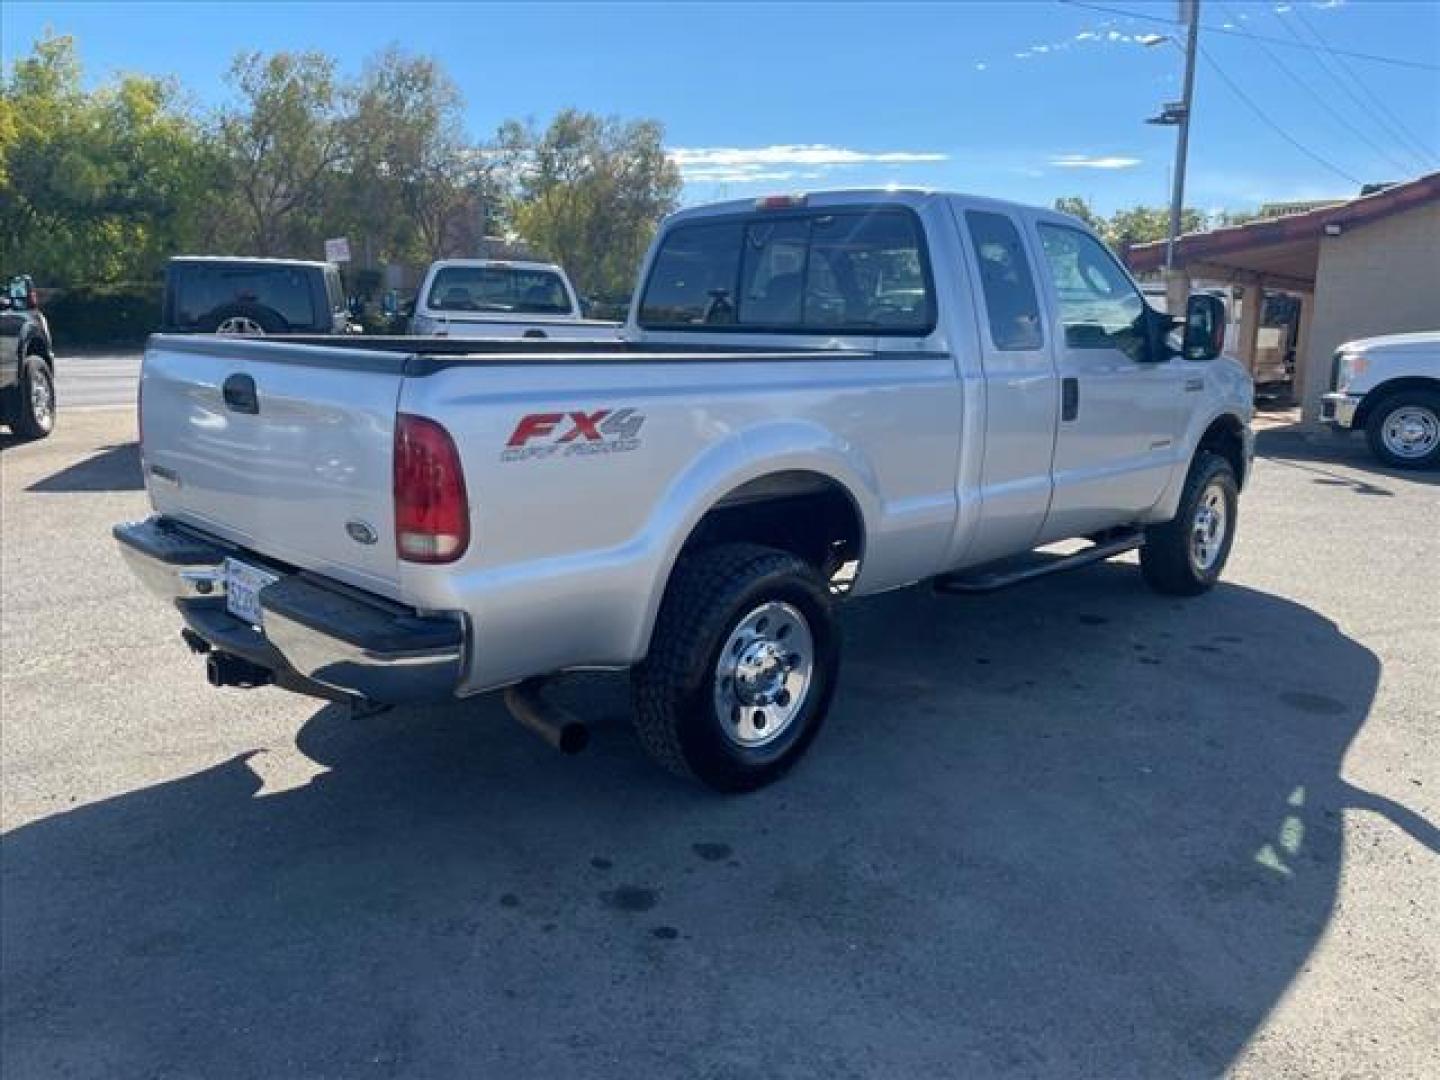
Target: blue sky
point(1030, 99)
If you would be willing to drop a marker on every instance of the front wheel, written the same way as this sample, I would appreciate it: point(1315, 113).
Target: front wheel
point(1184, 556)
point(1404, 430)
point(33, 405)
point(741, 668)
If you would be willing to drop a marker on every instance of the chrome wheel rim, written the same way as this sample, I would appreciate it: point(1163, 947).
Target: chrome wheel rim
point(42, 401)
point(1207, 530)
point(1411, 431)
point(239, 324)
point(764, 673)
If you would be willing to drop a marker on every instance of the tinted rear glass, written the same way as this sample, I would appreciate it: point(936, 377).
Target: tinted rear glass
point(498, 289)
point(204, 291)
point(858, 271)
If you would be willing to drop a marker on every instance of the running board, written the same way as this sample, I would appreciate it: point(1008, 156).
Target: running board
point(985, 580)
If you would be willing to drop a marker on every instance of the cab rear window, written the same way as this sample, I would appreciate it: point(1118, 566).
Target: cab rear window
point(855, 271)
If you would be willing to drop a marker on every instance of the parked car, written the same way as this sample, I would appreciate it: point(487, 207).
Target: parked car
point(496, 298)
point(210, 294)
point(817, 398)
point(27, 362)
point(1389, 388)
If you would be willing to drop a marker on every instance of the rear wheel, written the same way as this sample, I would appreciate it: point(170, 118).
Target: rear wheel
point(741, 667)
point(1184, 556)
point(32, 404)
point(1404, 430)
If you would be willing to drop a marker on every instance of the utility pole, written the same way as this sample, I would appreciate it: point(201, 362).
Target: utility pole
point(1182, 142)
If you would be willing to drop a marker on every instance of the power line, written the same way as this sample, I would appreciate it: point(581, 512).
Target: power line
point(1326, 106)
point(1264, 117)
point(1391, 121)
point(1398, 61)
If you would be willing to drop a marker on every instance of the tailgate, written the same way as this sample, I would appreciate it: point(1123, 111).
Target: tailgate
point(281, 448)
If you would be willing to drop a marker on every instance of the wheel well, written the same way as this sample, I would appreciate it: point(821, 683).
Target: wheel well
point(1389, 389)
point(1224, 437)
point(804, 513)
point(36, 345)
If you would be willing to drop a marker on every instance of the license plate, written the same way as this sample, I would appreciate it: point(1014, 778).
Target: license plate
point(242, 590)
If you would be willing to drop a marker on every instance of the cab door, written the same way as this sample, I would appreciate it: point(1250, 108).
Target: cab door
point(1021, 402)
point(1118, 434)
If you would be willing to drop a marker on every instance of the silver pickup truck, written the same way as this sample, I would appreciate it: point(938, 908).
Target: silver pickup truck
point(817, 398)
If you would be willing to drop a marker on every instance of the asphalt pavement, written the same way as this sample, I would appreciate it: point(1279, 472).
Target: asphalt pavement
point(97, 380)
point(1070, 830)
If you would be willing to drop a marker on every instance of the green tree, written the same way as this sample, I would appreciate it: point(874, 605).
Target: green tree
point(281, 148)
point(412, 178)
point(1142, 224)
point(98, 186)
point(589, 192)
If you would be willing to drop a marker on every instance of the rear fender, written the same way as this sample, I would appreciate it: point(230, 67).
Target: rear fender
point(764, 450)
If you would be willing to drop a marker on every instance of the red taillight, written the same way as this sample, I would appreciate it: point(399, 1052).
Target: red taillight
point(432, 516)
point(32, 298)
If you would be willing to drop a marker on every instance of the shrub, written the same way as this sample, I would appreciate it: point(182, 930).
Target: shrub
point(105, 314)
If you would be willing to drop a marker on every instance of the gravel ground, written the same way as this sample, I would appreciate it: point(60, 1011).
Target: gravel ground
point(1071, 830)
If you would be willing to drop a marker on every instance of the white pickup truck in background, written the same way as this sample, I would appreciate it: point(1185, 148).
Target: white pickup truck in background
point(496, 298)
point(1389, 388)
point(817, 398)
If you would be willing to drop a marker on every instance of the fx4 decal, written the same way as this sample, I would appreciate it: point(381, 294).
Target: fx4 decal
point(567, 434)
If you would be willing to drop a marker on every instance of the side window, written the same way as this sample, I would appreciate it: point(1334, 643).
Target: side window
point(1099, 307)
point(1006, 280)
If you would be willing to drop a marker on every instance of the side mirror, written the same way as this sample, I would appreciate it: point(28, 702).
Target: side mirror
point(1204, 336)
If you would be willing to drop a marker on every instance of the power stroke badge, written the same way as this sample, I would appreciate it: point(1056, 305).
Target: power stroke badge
point(574, 434)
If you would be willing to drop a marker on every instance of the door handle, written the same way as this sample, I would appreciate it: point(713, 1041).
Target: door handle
point(240, 395)
point(1069, 398)
point(534, 333)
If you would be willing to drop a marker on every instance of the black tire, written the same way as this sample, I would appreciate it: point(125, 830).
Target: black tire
point(1424, 407)
point(31, 413)
point(710, 595)
point(1169, 558)
point(267, 320)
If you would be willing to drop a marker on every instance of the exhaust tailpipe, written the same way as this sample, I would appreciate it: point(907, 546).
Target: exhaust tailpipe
point(226, 669)
point(559, 727)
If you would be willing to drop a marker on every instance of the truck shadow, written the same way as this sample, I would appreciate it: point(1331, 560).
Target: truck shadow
point(1071, 830)
point(1311, 451)
point(111, 468)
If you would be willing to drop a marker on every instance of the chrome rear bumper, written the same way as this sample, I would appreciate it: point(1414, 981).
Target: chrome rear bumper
point(322, 632)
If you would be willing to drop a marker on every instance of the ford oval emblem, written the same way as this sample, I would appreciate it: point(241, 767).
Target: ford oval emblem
point(361, 532)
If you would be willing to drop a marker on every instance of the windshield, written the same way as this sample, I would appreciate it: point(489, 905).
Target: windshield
point(498, 289)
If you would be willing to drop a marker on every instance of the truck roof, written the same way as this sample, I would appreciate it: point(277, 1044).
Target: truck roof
point(514, 264)
point(249, 259)
point(902, 196)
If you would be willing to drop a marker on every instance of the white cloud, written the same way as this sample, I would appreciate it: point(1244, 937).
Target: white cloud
point(981, 67)
point(789, 161)
point(1085, 161)
point(1087, 35)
